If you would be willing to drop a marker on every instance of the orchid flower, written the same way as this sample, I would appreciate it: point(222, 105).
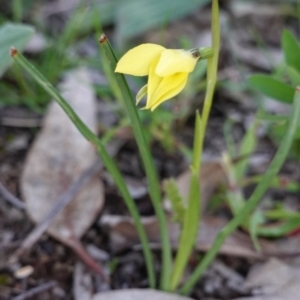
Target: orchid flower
point(167, 71)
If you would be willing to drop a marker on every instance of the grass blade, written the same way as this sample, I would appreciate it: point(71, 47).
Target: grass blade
point(107, 160)
point(259, 191)
point(154, 188)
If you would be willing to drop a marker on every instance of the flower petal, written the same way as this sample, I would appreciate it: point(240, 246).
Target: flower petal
point(137, 61)
point(141, 93)
point(169, 87)
point(153, 80)
point(175, 61)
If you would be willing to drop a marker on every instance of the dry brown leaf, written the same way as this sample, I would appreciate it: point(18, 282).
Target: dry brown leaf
point(212, 174)
point(255, 57)
point(123, 235)
point(138, 294)
point(242, 9)
point(57, 158)
point(273, 280)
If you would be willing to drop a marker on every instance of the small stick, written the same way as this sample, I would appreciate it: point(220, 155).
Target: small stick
point(61, 203)
point(88, 260)
point(35, 291)
point(9, 197)
point(20, 122)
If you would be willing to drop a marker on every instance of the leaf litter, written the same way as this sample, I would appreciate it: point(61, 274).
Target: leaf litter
point(273, 280)
point(59, 155)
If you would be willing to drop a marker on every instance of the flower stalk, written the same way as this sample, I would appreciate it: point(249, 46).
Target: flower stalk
point(153, 184)
point(192, 216)
point(252, 202)
point(107, 160)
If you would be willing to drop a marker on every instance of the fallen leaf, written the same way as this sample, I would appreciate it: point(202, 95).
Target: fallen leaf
point(243, 9)
point(138, 294)
point(123, 234)
point(212, 174)
point(274, 280)
point(222, 279)
point(255, 57)
point(57, 158)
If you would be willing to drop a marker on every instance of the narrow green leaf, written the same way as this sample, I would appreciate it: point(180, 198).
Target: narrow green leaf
point(281, 213)
point(259, 191)
point(106, 158)
point(256, 219)
point(189, 232)
point(152, 179)
point(293, 75)
point(192, 213)
point(12, 35)
point(280, 230)
point(272, 87)
point(291, 49)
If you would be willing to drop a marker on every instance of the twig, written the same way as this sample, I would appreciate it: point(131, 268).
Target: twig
point(35, 291)
point(21, 122)
point(61, 203)
point(9, 197)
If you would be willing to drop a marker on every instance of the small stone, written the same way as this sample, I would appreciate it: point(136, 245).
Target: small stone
point(23, 272)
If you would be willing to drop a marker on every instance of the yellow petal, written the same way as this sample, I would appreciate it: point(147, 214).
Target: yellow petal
point(153, 80)
point(169, 87)
point(175, 61)
point(137, 61)
point(141, 93)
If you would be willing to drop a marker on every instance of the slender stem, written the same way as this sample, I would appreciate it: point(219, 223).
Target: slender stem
point(154, 188)
point(259, 191)
point(212, 71)
point(17, 10)
point(12, 199)
point(107, 160)
point(192, 214)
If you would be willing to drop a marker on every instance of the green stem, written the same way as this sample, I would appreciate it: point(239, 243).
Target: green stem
point(154, 188)
point(107, 160)
point(244, 213)
point(192, 214)
point(212, 73)
point(17, 10)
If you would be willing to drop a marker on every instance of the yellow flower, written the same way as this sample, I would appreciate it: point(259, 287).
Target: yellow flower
point(167, 71)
